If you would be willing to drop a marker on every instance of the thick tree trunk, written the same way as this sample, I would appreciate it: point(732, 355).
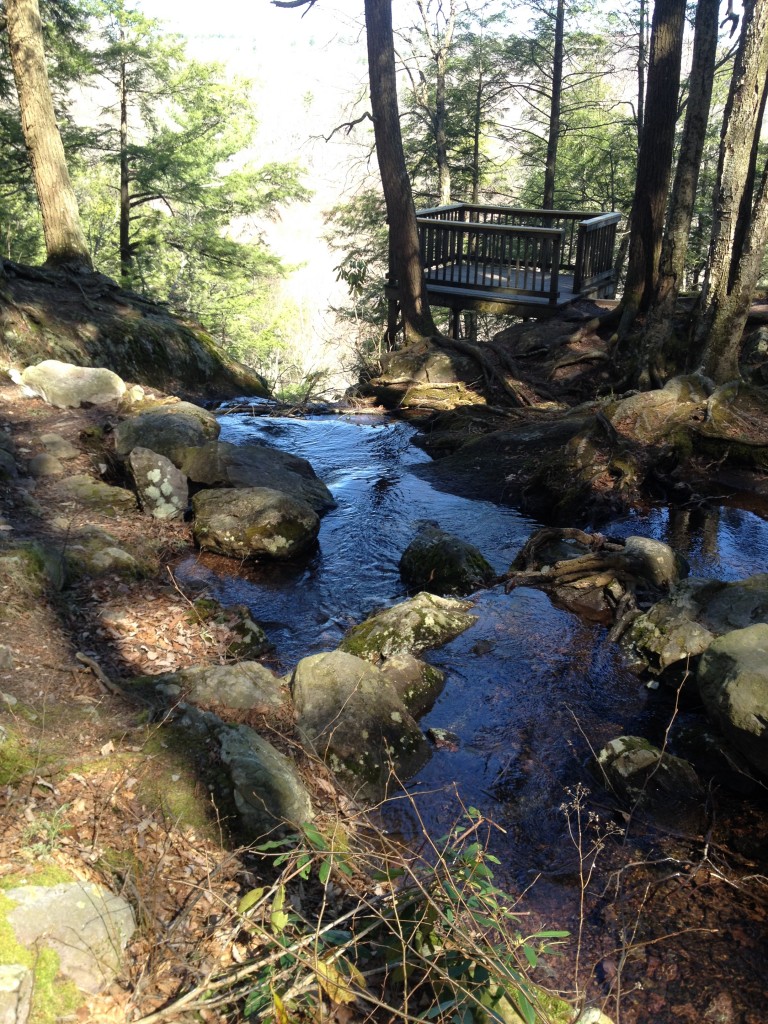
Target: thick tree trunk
point(642, 56)
point(64, 239)
point(654, 163)
point(740, 227)
point(553, 138)
point(658, 328)
point(404, 237)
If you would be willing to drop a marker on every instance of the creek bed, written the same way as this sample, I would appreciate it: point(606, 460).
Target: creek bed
point(531, 692)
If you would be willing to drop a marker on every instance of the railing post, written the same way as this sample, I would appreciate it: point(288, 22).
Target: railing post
point(554, 274)
point(578, 270)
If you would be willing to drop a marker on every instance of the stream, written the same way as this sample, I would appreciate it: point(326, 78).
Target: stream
point(531, 689)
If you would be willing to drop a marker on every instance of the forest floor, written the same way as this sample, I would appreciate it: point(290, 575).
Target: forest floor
point(94, 798)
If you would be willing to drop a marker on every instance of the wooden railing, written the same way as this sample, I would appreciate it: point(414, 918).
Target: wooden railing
point(466, 245)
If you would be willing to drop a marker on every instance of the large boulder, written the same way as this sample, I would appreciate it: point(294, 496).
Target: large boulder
point(253, 522)
point(442, 563)
point(268, 791)
point(418, 684)
point(84, 924)
point(662, 786)
point(733, 682)
point(245, 685)
point(163, 490)
point(410, 627)
point(92, 551)
point(95, 494)
point(166, 429)
point(220, 464)
point(67, 387)
point(684, 624)
point(266, 787)
point(353, 718)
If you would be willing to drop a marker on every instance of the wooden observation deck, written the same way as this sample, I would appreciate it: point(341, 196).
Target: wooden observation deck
point(499, 259)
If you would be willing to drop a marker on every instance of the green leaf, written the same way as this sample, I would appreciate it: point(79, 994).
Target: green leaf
point(250, 900)
point(303, 865)
point(325, 871)
point(315, 837)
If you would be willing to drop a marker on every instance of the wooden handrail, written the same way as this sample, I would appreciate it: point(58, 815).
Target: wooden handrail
point(496, 229)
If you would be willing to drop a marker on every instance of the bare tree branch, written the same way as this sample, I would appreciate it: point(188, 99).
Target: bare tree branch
point(348, 125)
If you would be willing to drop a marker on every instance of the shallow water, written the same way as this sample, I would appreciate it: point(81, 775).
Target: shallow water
point(531, 692)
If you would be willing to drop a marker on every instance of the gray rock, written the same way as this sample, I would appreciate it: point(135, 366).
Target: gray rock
point(8, 469)
point(16, 988)
point(684, 624)
point(244, 685)
point(268, 790)
point(43, 465)
point(67, 387)
point(652, 415)
point(410, 627)
point(253, 522)
point(353, 718)
point(220, 464)
point(94, 494)
point(442, 563)
point(660, 785)
point(85, 924)
point(94, 552)
point(162, 488)
point(418, 684)
point(654, 561)
point(167, 430)
point(59, 447)
point(733, 682)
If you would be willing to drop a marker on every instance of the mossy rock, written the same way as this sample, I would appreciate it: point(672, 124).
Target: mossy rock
point(413, 626)
point(441, 563)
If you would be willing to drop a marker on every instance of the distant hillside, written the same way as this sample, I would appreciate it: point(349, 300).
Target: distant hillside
point(89, 320)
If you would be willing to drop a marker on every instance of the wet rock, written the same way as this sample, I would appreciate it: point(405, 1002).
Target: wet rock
point(443, 739)
point(220, 464)
point(413, 626)
point(418, 684)
point(353, 718)
point(684, 624)
point(67, 387)
point(442, 563)
point(245, 685)
point(253, 522)
point(166, 429)
point(733, 682)
point(44, 465)
point(662, 786)
point(86, 490)
point(59, 447)
point(654, 561)
point(162, 488)
point(87, 926)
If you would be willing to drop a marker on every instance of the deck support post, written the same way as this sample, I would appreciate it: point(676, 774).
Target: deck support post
point(455, 327)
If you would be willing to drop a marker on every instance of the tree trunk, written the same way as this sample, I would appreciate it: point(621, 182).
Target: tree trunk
point(734, 269)
point(64, 239)
point(553, 137)
point(642, 52)
point(405, 264)
point(125, 195)
point(654, 163)
point(658, 328)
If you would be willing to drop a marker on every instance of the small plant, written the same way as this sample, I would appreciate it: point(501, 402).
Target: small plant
point(355, 921)
point(41, 836)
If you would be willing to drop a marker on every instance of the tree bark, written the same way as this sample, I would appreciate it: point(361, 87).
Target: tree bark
point(553, 137)
point(64, 239)
point(658, 328)
point(654, 163)
point(740, 226)
point(405, 263)
point(126, 253)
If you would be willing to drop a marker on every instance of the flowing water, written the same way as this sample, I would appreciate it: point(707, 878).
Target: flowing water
point(531, 689)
